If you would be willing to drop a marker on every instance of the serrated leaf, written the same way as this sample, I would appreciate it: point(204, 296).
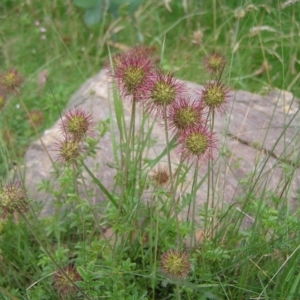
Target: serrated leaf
point(82, 272)
point(93, 15)
point(87, 3)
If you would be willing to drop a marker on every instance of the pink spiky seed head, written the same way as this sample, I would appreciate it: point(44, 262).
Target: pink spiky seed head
point(185, 113)
point(215, 96)
point(197, 143)
point(36, 118)
point(161, 176)
point(11, 81)
point(161, 90)
point(69, 150)
point(214, 63)
point(64, 288)
point(131, 72)
point(13, 198)
point(175, 264)
point(77, 123)
point(141, 51)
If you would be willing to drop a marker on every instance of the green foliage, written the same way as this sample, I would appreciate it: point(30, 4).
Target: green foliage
point(94, 9)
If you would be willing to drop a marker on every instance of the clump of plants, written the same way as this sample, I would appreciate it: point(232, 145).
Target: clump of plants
point(147, 239)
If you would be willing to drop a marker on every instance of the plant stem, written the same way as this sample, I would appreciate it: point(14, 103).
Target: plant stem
point(168, 151)
point(194, 191)
point(210, 168)
point(178, 295)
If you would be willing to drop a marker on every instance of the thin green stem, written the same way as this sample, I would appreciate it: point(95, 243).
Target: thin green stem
point(130, 142)
point(178, 295)
point(194, 191)
point(215, 21)
point(168, 149)
point(210, 169)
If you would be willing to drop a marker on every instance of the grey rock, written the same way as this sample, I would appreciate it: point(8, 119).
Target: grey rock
point(250, 141)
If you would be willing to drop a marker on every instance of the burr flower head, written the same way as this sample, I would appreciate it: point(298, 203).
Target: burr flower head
point(13, 198)
point(161, 176)
point(141, 51)
point(36, 117)
point(69, 150)
point(161, 90)
point(184, 114)
point(197, 143)
point(131, 71)
point(175, 264)
point(214, 63)
point(215, 96)
point(77, 124)
point(63, 286)
point(10, 81)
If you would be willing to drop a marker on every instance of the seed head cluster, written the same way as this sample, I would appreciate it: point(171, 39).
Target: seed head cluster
point(185, 113)
point(214, 63)
point(215, 96)
point(161, 91)
point(64, 288)
point(197, 143)
point(161, 176)
point(76, 125)
point(131, 71)
point(10, 81)
point(13, 198)
point(164, 96)
point(175, 264)
point(36, 118)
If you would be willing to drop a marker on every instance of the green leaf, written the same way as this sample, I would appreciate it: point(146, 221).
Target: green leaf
point(172, 145)
point(93, 15)
point(101, 186)
point(116, 4)
point(83, 273)
point(87, 3)
point(134, 5)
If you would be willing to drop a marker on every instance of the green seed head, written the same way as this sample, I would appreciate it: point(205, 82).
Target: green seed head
point(214, 63)
point(133, 78)
point(10, 81)
point(215, 96)
point(69, 150)
point(78, 125)
point(197, 143)
point(163, 93)
point(13, 198)
point(175, 264)
point(185, 117)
